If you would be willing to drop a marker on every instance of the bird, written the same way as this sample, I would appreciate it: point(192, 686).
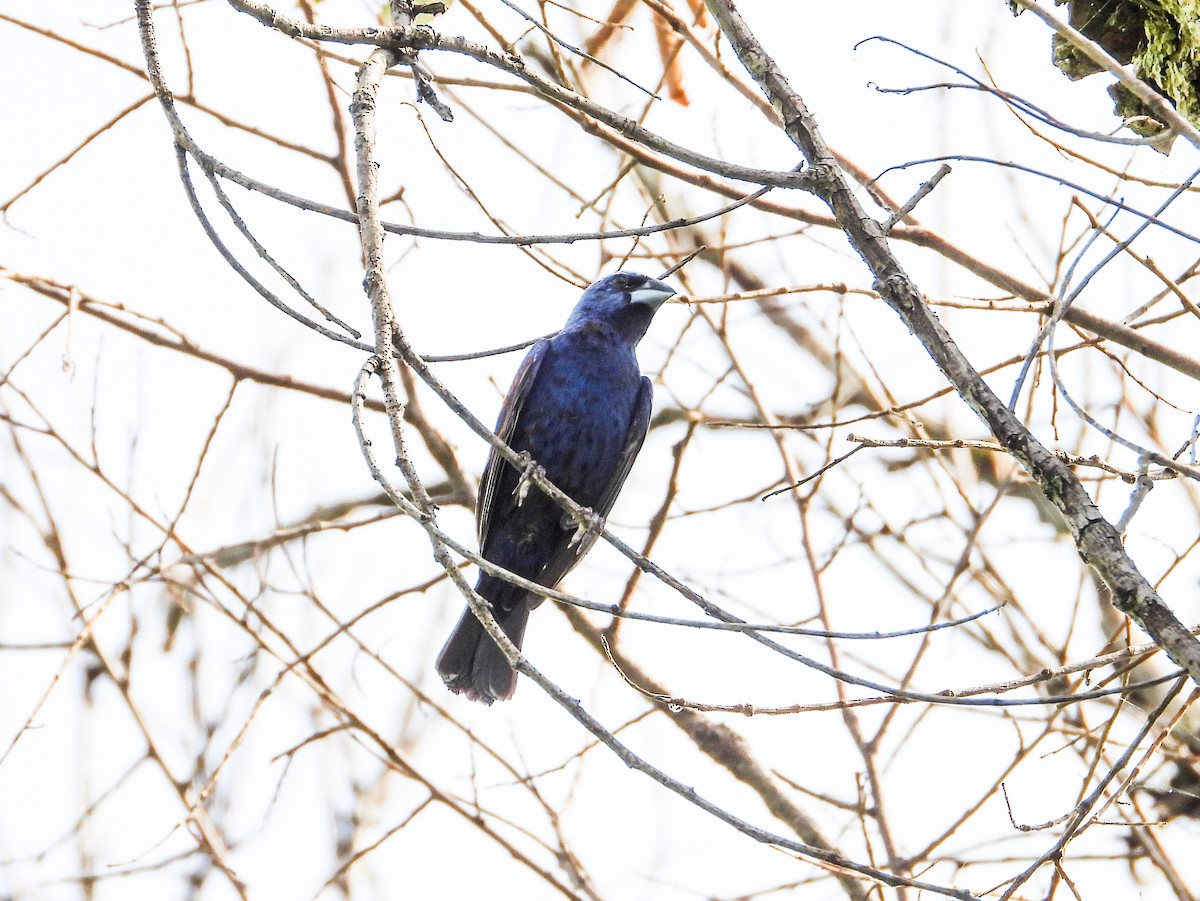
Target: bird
point(579, 408)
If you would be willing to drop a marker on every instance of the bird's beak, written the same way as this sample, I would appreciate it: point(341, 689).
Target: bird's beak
point(652, 294)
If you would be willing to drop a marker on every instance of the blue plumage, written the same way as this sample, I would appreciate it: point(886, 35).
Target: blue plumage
point(579, 407)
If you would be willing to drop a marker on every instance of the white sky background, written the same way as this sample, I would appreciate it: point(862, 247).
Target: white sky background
point(116, 223)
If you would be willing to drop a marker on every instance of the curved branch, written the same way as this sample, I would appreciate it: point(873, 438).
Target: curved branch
point(423, 512)
point(421, 37)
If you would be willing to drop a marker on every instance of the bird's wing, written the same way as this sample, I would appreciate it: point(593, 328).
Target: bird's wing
point(510, 412)
point(566, 555)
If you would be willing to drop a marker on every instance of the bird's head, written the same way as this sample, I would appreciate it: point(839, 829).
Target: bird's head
point(625, 300)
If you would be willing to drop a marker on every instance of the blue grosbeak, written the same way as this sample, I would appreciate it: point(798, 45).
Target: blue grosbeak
point(579, 407)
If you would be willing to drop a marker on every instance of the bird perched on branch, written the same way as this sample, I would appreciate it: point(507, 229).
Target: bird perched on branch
point(579, 408)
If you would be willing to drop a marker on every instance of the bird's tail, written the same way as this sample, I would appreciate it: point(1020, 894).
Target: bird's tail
point(471, 663)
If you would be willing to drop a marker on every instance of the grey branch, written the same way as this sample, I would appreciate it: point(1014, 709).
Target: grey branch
point(1098, 542)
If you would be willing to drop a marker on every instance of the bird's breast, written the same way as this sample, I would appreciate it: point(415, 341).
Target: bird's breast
point(578, 421)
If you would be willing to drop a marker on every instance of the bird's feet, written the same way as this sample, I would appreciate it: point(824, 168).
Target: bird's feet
point(529, 471)
point(587, 521)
